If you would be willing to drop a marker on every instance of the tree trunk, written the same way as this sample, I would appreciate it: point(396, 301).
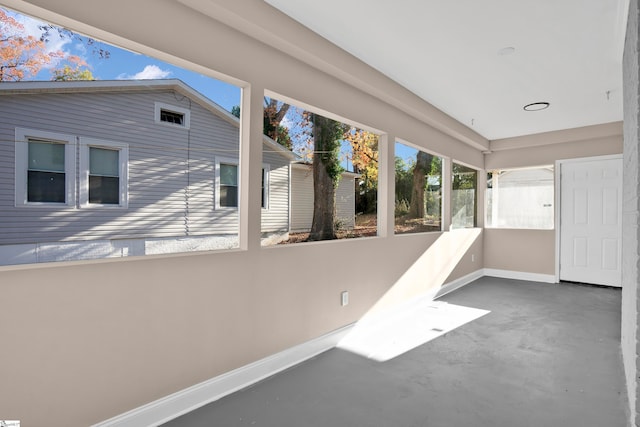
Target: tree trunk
point(420, 171)
point(324, 188)
point(273, 117)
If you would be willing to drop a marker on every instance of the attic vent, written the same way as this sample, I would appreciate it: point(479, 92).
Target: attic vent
point(171, 117)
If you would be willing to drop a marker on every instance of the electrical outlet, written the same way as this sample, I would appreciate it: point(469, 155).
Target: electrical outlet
point(473, 257)
point(344, 298)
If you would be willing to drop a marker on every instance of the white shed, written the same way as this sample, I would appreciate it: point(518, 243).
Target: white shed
point(302, 198)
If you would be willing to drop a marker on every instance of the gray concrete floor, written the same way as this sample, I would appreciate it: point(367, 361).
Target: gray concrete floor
point(546, 355)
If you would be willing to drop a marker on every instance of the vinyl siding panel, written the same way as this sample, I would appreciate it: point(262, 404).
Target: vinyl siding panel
point(170, 170)
point(275, 217)
point(301, 198)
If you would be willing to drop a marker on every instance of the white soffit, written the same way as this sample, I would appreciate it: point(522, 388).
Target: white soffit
point(452, 54)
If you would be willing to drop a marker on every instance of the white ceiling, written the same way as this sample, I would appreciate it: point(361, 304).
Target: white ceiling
point(448, 52)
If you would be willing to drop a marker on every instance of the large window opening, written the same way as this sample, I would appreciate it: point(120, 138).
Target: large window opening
point(418, 183)
point(333, 170)
point(118, 155)
point(520, 198)
point(464, 197)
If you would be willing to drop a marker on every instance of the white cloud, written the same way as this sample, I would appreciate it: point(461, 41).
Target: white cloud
point(149, 72)
point(80, 48)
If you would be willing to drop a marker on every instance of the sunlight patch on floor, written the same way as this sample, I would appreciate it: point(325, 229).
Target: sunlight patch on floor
point(393, 333)
point(429, 271)
point(407, 316)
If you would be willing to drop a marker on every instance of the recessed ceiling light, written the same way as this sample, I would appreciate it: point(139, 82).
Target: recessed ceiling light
point(506, 50)
point(536, 106)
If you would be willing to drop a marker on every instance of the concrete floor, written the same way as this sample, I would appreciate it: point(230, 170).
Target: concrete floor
point(546, 355)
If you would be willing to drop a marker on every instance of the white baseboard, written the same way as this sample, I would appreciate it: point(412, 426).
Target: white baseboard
point(189, 399)
point(460, 282)
point(520, 275)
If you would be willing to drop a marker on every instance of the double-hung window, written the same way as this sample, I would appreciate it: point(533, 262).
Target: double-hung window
point(103, 173)
point(44, 168)
point(228, 188)
point(104, 176)
point(46, 173)
point(227, 184)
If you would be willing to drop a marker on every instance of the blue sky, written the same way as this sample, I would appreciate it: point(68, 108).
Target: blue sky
point(123, 64)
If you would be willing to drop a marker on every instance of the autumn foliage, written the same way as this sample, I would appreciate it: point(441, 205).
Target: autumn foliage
point(274, 113)
point(23, 55)
point(364, 158)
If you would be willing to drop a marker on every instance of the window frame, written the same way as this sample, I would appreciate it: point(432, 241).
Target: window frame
point(491, 224)
point(159, 106)
point(225, 161)
point(265, 189)
point(266, 179)
point(476, 202)
point(23, 136)
point(123, 170)
point(443, 188)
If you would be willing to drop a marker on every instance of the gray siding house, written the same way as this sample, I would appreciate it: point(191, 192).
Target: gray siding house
point(92, 169)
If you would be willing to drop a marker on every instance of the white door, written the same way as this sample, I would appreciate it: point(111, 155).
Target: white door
point(591, 221)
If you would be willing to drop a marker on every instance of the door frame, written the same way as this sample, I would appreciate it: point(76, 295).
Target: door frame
point(557, 188)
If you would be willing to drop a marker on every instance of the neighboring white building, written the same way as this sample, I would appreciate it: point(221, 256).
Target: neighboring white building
point(521, 198)
point(302, 197)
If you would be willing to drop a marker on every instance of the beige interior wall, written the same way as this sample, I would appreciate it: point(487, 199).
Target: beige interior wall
point(526, 153)
point(90, 340)
point(470, 262)
point(530, 251)
point(533, 251)
point(85, 341)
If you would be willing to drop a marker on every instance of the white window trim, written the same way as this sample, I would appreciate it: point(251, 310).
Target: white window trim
point(478, 195)
point(266, 170)
point(123, 171)
point(226, 161)
point(163, 106)
point(22, 166)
